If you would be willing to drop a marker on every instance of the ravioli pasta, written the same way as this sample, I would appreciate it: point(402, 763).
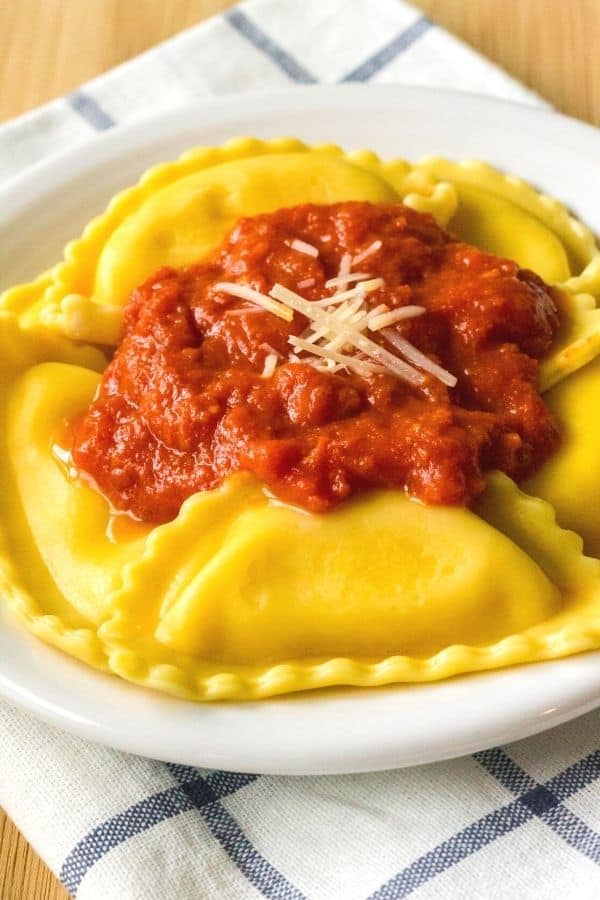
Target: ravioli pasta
point(242, 597)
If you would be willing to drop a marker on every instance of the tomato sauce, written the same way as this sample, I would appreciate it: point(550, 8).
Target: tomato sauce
point(183, 403)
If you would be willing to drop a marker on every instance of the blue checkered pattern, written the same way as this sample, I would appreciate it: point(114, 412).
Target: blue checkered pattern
point(194, 789)
point(506, 823)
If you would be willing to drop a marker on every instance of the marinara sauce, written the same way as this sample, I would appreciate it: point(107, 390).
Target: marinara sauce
point(183, 404)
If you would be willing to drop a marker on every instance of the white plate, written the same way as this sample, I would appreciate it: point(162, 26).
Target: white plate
point(325, 732)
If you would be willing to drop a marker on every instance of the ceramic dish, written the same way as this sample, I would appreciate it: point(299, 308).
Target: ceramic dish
point(318, 98)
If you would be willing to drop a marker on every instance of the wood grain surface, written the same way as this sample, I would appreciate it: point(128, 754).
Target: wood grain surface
point(48, 47)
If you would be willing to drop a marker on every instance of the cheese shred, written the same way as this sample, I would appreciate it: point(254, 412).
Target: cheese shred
point(335, 337)
point(270, 364)
point(303, 247)
point(351, 333)
point(245, 292)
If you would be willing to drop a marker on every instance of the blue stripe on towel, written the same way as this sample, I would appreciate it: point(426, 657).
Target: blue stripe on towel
point(256, 36)
point(192, 792)
point(389, 52)
point(534, 799)
point(144, 815)
point(545, 800)
point(258, 870)
point(90, 110)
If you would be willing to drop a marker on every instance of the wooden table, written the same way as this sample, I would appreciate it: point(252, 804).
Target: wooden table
point(50, 46)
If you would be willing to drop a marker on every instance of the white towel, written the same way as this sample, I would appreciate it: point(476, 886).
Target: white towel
point(514, 822)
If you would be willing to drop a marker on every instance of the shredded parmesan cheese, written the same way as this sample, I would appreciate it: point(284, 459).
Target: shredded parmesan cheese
point(419, 359)
point(344, 270)
point(303, 247)
point(368, 251)
point(361, 367)
point(385, 318)
point(334, 333)
point(346, 279)
point(243, 310)
point(306, 283)
point(348, 311)
point(350, 332)
point(271, 360)
point(245, 292)
point(358, 316)
point(365, 287)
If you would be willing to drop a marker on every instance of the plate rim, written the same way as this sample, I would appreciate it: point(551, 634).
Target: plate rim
point(123, 132)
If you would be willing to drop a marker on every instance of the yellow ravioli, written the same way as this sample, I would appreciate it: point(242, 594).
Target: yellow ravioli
point(570, 480)
point(503, 228)
point(507, 216)
point(70, 528)
point(243, 597)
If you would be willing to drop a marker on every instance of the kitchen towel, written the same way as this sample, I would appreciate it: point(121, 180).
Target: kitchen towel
point(520, 821)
